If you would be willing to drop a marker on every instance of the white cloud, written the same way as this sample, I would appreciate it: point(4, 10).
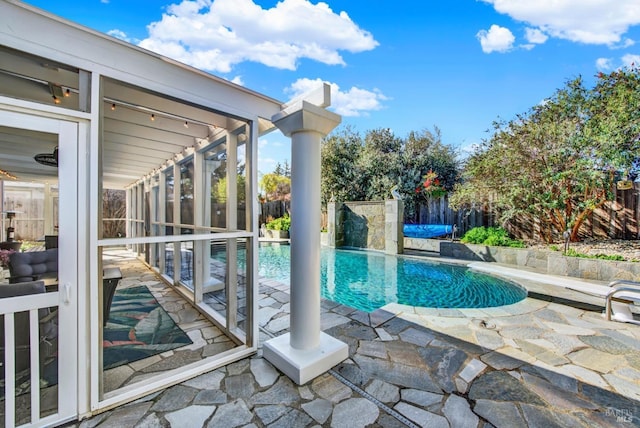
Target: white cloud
point(353, 102)
point(604, 64)
point(608, 64)
point(630, 60)
point(496, 39)
point(118, 34)
point(238, 80)
point(535, 36)
point(591, 22)
point(217, 34)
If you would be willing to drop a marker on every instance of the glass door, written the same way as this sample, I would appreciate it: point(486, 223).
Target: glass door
point(39, 344)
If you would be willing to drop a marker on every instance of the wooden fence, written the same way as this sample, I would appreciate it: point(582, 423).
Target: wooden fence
point(272, 210)
point(619, 219)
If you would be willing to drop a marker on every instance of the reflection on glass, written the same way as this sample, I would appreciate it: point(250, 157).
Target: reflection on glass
point(186, 195)
point(242, 186)
point(235, 276)
point(168, 213)
point(216, 170)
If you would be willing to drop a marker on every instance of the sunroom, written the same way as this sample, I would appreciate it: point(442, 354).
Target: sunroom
point(100, 126)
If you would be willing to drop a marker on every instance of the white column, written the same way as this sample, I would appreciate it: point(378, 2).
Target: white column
point(305, 352)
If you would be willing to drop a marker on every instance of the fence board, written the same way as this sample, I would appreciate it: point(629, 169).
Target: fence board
point(615, 220)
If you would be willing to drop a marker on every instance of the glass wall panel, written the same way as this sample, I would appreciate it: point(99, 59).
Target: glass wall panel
point(168, 206)
point(147, 144)
point(242, 185)
point(216, 184)
point(186, 195)
point(235, 275)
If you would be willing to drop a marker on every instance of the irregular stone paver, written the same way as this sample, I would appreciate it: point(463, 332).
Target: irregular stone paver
point(231, 415)
point(444, 364)
point(175, 398)
point(531, 364)
point(606, 344)
point(372, 349)
point(192, 416)
point(354, 413)
point(293, 418)
point(501, 361)
point(598, 361)
point(319, 409)
point(541, 417)
point(383, 391)
point(330, 388)
point(458, 413)
point(283, 392)
point(421, 398)
point(421, 416)
point(471, 370)
point(211, 396)
point(552, 394)
point(269, 414)
point(209, 380)
point(150, 421)
point(500, 386)
point(240, 386)
point(398, 374)
point(383, 335)
point(417, 337)
point(500, 414)
point(264, 373)
point(584, 375)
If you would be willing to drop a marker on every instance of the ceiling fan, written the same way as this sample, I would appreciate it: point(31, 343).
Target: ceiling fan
point(48, 159)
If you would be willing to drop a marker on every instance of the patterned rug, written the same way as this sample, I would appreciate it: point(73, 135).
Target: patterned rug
point(138, 328)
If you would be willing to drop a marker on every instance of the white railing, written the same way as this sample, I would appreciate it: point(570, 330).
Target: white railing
point(9, 307)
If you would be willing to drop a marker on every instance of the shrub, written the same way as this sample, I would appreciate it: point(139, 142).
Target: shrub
point(282, 223)
point(573, 253)
point(493, 236)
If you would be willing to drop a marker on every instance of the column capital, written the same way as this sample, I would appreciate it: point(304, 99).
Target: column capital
point(305, 117)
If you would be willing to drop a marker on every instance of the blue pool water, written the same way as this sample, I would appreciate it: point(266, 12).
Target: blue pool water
point(369, 280)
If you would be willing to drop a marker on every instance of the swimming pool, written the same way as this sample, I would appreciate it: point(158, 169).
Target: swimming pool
point(369, 280)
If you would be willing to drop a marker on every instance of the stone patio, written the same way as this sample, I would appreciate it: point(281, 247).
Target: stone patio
point(537, 363)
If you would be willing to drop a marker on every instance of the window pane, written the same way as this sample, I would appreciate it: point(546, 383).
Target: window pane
point(169, 201)
point(186, 195)
point(242, 186)
point(216, 174)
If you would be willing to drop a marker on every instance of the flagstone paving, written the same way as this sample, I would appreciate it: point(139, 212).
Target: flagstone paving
point(536, 363)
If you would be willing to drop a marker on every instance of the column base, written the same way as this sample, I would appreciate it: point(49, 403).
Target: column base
point(303, 366)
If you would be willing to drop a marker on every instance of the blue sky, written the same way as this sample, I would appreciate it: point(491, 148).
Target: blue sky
point(408, 66)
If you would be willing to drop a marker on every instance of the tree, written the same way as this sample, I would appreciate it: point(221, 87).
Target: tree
point(423, 152)
point(380, 163)
point(274, 186)
point(341, 178)
point(114, 209)
point(557, 163)
point(286, 169)
point(614, 119)
point(357, 169)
